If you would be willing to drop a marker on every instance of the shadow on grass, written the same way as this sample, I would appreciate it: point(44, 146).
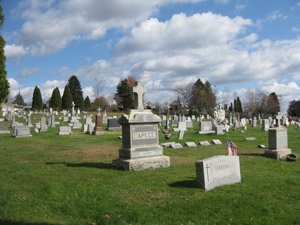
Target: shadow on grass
point(88, 165)
point(253, 154)
point(184, 184)
point(21, 223)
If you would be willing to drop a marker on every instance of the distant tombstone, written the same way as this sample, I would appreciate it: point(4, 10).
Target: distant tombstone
point(176, 145)
point(219, 130)
point(4, 127)
point(206, 127)
point(77, 125)
point(43, 124)
point(216, 142)
point(175, 120)
point(29, 124)
point(254, 124)
point(190, 144)
point(205, 143)
point(193, 117)
point(73, 110)
point(98, 125)
point(265, 125)
point(218, 171)
point(104, 117)
point(181, 126)
point(180, 134)
point(21, 132)
point(167, 126)
point(66, 119)
point(189, 124)
point(113, 124)
point(52, 121)
point(90, 128)
point(243, 122)
point(278, 143)
point(250, 139)
point(167, 144)
point(64, 130)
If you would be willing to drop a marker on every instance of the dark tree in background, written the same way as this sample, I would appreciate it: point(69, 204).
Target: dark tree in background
point(67, 98)
point(56, 101)
point(238, 105)
point(100, 102)
point(124, 95)
point(87, 103)
point(19, 99)
point(37, 102)
point(4, 85)
point(273, 104)
point(76, 91)
point(294, 108)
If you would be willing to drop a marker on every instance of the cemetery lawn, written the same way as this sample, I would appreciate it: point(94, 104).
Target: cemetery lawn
point(51, 179)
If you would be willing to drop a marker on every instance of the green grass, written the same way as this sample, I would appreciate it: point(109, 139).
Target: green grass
point(51, 179)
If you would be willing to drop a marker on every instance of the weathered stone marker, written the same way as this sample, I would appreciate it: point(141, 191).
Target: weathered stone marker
point(140, 148)
point(278, 143)
point(98, 125)
point(218, 171)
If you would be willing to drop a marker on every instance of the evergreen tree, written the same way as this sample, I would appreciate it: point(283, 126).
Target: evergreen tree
point(67, 98)
point(239, 105)
point(55, 101)
point(37, 102)
point(203, 97)
point(273, 104)
point(294, 108)
point(4, 85)
point(124, 95)
point(87, 103)
point(19, 99)
point(76, 91)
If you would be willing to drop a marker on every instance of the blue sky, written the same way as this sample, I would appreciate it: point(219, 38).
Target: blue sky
point(235, 44)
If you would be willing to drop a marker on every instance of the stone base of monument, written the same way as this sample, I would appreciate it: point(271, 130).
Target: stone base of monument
point(142, 163)
point(207, 132)
point(98, 132)
point(4, 132)
point(280, 154)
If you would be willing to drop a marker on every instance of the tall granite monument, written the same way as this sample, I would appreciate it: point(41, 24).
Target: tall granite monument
point(98, 125)
point(140, 148)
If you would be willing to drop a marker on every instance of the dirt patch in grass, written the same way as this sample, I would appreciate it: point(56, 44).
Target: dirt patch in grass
point(89, 152)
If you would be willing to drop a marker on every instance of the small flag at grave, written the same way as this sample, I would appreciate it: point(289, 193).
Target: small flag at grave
point(232, 148)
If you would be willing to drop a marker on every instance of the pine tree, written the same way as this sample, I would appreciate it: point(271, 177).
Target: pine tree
point(239, 105)
point(19, 99)
point(4, 85)
point(55, 101)
point(37, 102)
point(87, 103)
point(67, 98)
point(124, 95)
point(76, 91)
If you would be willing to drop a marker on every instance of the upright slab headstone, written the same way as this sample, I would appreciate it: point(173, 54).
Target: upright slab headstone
point(104, 117)
point(218, 171)
point(52, 121)
point(113, 124)
point(206, 127)
point(180, 134)
point(278, 143)
point(98, 125)
point(265, 125)
point(21, 132)
point(64, 130)
point(29, 124)
point(4, 127)
point(43, 124)
point(140, 143)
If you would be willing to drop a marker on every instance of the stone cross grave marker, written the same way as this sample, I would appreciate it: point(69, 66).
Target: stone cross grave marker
point(139, 90)
point(99, 109)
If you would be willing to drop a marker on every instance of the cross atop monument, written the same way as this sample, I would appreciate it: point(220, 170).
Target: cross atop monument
point(139, 90)
point(73, 104)
point(278, 119)
point(99, 109)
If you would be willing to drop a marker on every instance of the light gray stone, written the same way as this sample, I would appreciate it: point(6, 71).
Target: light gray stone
point(65, 130)
point(206, 127)
point(205, 143)
point(190, 144)
point(219, 130)
point(4, 127)
point(265, 125)
point(77, 125)
point(176, 145)
point(250, 139)
point(43, 125)
point(189, 124)
point(21, 132)
point(167, 145)
point(218, 171)
point(216, 141)
point(180, 134)
point(181, 126)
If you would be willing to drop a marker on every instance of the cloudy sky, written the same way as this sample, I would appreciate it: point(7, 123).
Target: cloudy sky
point(234, 44)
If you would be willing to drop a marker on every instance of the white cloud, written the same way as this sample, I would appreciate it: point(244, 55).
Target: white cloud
point(27, 71)
point(14, 84)
point(51, 25)
point(222, 2)
point(88, 91)
point(295, 29)
point(14, 51)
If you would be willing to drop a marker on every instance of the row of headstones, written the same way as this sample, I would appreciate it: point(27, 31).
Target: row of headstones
point(190, 144)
